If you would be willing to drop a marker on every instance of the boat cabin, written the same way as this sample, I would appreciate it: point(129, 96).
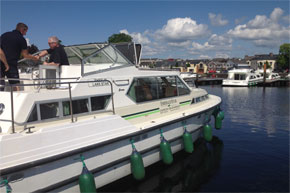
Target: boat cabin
point(97, 74)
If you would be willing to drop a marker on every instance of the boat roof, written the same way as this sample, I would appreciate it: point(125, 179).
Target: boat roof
point(245, 70)
point(78, 52)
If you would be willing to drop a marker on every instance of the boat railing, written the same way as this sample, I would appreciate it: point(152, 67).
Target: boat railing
point(47, 83)
point(38, 83)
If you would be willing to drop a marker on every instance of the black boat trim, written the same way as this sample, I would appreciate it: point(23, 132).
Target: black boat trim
point(147, 111)
point(185, 102)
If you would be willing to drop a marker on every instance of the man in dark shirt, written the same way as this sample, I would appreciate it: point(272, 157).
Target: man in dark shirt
point(14, 45)
point(58, 56)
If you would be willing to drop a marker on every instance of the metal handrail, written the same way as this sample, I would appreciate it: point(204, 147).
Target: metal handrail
point(70, 96)
point(32, 79)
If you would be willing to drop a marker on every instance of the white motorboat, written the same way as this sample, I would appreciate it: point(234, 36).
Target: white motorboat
point(241, 77)
point(100, 108)
point(270, 75)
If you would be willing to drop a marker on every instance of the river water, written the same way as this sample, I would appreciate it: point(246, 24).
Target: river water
point(249, 154)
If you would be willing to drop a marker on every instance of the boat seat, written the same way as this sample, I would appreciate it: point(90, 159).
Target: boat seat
point(170, 91)
point(143, 93)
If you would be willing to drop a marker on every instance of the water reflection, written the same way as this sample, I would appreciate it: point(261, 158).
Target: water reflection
point(186, 174)
point(257, 108)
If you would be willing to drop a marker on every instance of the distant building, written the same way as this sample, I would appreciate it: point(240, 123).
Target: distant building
point(197, 66)
point(216, 66)
point(148, 62)
point(237, 63)
point(258, 61)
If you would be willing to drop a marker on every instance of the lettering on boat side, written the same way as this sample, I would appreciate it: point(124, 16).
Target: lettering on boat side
point(99, 82)
point(169, 102)
point(168, 106)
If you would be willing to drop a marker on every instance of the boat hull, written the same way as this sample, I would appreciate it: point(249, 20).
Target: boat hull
point(107, 161)
point(236, 83)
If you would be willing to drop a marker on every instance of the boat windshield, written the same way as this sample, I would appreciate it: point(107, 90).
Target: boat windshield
point(77, 53)
point(95, 57)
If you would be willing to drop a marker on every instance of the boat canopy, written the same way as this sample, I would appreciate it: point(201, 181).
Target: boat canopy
point(94, 57)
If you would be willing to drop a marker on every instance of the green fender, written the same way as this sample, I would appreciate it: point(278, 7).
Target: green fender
point(207, 132)
point(165, 151)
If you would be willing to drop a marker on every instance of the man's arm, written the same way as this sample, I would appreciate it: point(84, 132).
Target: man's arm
point(55, 59)
point(51, 64)
point(3, 59)
point(43, 53)
point(25, 54)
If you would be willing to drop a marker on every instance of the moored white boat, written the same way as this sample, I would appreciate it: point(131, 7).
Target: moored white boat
point(93, 108)
point(270, 75)
point(241, 77)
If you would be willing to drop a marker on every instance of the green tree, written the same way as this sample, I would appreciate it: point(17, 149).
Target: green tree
point(121, 37)
point(283, 57)
point(268, 65)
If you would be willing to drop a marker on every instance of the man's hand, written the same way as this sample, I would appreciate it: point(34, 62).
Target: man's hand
point(6, 68)
point(35, 58)
point(25, 54)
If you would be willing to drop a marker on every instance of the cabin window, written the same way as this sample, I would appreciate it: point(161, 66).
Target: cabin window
point(240, 77)
point(33, 115)
point(78, 106)
point(151, 88)
point(49, 110)
point(252, 77)
point(99, 102)
point(144, 89)
point(52, 110)
point(182, 88)
point(199, 99)
point(193, 101)
point(167, 86)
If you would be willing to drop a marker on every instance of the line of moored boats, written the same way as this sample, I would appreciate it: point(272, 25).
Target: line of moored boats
point(249, 77)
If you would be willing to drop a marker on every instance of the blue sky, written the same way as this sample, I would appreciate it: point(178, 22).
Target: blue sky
point(166, 29)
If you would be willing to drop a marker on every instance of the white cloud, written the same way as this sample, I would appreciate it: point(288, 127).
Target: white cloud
point(222, 55)
point(286, 19)
point(262, 29)
point(149, 51)
point(240, 20)
point(204, 57)
point(216, 20)
point(180, 44)
point(268, 43)
point(214, 43)
point(181, 30)
point(137, 37)
point(202, 47)
point(260, 21)
point(276, 14)
point(222, 40)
